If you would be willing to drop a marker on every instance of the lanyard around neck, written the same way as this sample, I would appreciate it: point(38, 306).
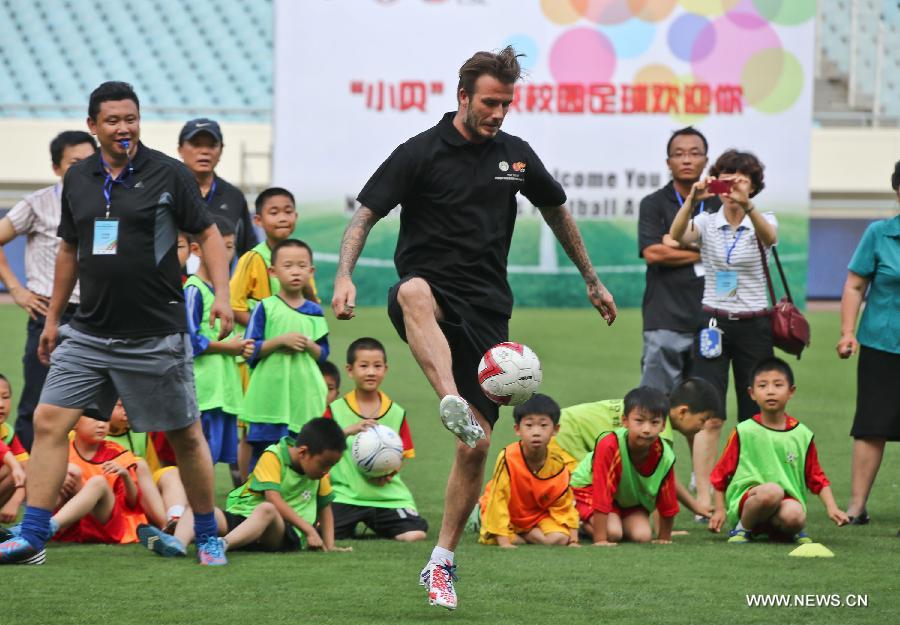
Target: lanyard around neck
point(212, 191)
point(109, 181)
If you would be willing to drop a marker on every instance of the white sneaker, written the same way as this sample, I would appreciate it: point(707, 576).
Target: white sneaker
point(458, 418)
point(437, 577)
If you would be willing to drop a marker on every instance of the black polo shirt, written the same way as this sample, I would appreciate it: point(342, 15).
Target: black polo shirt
point(135, 292)
point(229, 202)
point(458, 203)
point(672, 295)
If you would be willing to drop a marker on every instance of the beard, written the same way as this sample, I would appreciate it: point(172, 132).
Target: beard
point(471, 124)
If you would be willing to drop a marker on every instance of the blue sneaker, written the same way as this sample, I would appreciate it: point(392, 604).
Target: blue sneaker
point(802, 538)
point(211, 552)
point(739, 537)
point(159, 542)
point(17, 550)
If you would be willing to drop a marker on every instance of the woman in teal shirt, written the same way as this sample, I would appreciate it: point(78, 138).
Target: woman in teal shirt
point(876, 266)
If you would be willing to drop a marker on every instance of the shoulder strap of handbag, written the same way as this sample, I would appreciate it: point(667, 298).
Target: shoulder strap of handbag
point(784, 283)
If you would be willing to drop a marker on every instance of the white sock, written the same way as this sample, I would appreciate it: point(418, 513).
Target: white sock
point(439, 554)
point(740, 527)
point(175, 512)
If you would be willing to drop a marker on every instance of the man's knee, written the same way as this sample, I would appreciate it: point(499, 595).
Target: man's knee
point(53, 422)
point(186, 440)
point(415, 294)
point(473, 456)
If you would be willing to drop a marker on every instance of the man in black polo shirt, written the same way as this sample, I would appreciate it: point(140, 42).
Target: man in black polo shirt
point(121, 212)
point(200, 146)
point(457, 184)
point(674, 289)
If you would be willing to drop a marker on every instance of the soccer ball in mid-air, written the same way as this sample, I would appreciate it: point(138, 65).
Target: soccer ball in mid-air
point(509, 373)
point(377, 451)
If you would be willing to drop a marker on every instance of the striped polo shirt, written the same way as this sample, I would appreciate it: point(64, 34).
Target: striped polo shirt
point(37, 217)
point(726, 249)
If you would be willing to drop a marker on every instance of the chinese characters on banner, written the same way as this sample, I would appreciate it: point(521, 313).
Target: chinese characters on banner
point(571, 98)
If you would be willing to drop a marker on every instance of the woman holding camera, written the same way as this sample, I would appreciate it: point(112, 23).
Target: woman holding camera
point(875, 266)
point(735, 297)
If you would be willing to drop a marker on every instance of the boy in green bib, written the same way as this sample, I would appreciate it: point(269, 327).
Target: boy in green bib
point(384, 505)
point(216, 378)
point(769, 463)
point(290, 338)
point(286, 496)
point(629, 475)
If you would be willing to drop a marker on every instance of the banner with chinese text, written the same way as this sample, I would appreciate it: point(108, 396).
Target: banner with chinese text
point(607, 83)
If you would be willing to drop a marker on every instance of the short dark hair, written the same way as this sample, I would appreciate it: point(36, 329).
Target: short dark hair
point(539, 404)
point(697, 394)
point(647, 398)
point(503, 65)
point(225, 225)
point(321, 434)
point(66, 139)
point(111, 91)
point(895, 177)
point(3, 378)
point(291, 243)
point(329, 369)
point(735, 162)
point(687, 131)
point(366, 342)
point(772, 363)
point(271, 192)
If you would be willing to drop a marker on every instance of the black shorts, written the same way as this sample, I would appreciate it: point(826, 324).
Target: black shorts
point(385, 522)
point(290, 542)
point(470, 332)
point(877, 395)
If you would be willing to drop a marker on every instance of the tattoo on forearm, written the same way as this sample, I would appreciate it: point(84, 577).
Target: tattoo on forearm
point(566, 231)
point(354, 240)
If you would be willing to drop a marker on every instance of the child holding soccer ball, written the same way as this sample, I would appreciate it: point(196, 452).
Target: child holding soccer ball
point(769, 463)
point(530, 500)
point(384, 504)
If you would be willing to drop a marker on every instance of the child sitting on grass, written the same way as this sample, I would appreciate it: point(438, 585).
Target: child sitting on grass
point(630, 474)
point(290, 338)
point(768, 464)
point(279, 506)
point(12, 482)
point(9, 506)
point(385, 505)
point(530, 500)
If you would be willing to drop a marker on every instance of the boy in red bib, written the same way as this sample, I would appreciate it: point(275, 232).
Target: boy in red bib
point(769, 463)
point(530, 500)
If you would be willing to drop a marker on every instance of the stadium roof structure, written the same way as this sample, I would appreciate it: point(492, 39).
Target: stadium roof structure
point(184, 57)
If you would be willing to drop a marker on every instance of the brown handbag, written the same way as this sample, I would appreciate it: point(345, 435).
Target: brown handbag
point(790, 329)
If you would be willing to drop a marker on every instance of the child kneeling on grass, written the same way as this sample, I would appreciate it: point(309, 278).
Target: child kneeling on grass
point(629, 475)
point(768, 464)
point(279, 506)
point(530, 500)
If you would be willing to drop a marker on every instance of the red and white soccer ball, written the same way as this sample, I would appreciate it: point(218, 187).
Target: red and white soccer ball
point(509, 373)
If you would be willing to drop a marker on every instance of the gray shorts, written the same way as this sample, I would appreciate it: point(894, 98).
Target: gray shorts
point(666, 359)
point(154, 377)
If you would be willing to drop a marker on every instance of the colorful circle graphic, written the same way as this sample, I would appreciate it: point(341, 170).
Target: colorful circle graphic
point(582, 55)
point(631, 38)
point(772, 80)
point(732, 47)
point(786, 12)
point(603, 11)
point(709, 8)
point(684, 37)
point(651, 10)
point(560, 11)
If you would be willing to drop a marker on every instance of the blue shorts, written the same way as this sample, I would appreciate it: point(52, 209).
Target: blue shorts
point(261, 435)
point(220, 430)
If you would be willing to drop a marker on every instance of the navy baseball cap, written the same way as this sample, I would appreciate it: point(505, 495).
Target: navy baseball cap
point(196, 126)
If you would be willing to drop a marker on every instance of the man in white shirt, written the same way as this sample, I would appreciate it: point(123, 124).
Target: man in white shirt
point(37, 217)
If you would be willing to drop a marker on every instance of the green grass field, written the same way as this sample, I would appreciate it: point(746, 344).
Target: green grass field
point(699, 579)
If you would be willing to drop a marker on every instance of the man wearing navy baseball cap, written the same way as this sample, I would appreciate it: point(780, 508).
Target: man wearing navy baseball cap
point(200, 147)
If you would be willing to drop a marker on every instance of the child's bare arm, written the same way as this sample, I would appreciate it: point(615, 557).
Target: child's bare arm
point(718, 516)
point(313, 540)
point(600, 535)
point(573, 538)
point(685, 497)
point(271, 345)
point(110, 467)
point(664, 535)
point(326, 525)
point(234, 347)
point(834, 513)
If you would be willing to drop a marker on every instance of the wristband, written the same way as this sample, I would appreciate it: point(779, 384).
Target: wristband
point(749, 210)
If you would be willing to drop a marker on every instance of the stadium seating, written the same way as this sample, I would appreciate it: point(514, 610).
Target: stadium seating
point(182, 56)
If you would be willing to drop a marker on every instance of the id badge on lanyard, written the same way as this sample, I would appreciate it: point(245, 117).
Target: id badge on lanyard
point(711, 340)
point(106, 237)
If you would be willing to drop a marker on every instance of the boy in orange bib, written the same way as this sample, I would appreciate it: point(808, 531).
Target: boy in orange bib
point(530, 500)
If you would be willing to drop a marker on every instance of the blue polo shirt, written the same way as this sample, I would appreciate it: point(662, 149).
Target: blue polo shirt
point(877, 259)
